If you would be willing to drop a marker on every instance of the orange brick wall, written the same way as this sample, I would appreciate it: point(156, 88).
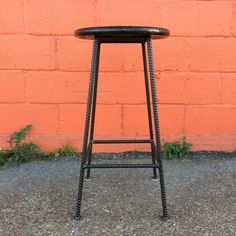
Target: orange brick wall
point(44, 71)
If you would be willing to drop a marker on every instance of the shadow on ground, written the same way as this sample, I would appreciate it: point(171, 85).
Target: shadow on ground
point(38, 198)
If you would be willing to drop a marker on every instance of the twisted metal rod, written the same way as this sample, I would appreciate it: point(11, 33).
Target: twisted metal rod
point(149, 109)
point(93, 108)
point(157, 130)
point(86, 129)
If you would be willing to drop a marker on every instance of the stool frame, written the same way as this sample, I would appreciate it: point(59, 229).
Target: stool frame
point(88, 141)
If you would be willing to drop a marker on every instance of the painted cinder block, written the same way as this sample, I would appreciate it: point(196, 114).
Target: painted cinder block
point(188, 88)
point(59, 17)
point(13, 116)
point(213, 54)
point(168, 54)
point(172, 54)
point(12, 89)
point(72, 87)
point(214, 18)
point(121, 88)
point(197, 18)
point(56, 87)
point(228, 89)
point(170, 87)
point(135, 120)
point(72, 119)
point(202, 89)
point(171, 118)
point(134, 12)
point(75, 55)
point(107, 122)
point(111, 57)
point(210, 120)
point(181, 17)
point(26, 52)
point(44, 118)
point(12, 17)
point(212, 142)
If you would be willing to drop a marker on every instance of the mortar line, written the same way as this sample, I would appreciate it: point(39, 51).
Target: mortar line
point(161, 72)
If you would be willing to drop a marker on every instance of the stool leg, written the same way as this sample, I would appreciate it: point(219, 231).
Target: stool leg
point(93, 109)
point(149, 110)
point(86, 129)
point(157, 131)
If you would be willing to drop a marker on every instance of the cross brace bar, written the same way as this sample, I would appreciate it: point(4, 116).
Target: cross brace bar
point(120, 166)
point(121, 141)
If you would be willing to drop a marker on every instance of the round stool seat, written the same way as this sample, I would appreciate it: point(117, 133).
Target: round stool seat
point(122, 32)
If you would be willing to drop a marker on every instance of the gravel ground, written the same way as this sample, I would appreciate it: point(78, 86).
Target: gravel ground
point(38, 198)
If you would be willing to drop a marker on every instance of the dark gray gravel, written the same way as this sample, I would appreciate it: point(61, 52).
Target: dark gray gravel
point(38, 198)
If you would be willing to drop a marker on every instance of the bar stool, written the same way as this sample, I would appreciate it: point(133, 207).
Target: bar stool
point(122, 34)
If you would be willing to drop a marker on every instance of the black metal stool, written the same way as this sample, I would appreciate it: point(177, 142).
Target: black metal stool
point(121, 34)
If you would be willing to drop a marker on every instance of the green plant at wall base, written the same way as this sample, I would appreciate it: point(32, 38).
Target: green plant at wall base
point(17, 137)
point(65, 150)
point(3, 157)
point(68, 150)
point(23, 152)
point(53, 154)
point(176, 149)
point(19, 151)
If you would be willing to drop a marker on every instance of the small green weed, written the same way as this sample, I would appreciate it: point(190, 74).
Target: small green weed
point(176, 149)
point(52, 154)
point(3, 157)
point(65, 150)
point(17, 137)
point(23, 152)
point(19, 151)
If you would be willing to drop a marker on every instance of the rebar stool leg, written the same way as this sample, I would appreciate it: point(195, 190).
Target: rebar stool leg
point(86, 129)
point(93, 110)
point(149, 110)
point(157, 131)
